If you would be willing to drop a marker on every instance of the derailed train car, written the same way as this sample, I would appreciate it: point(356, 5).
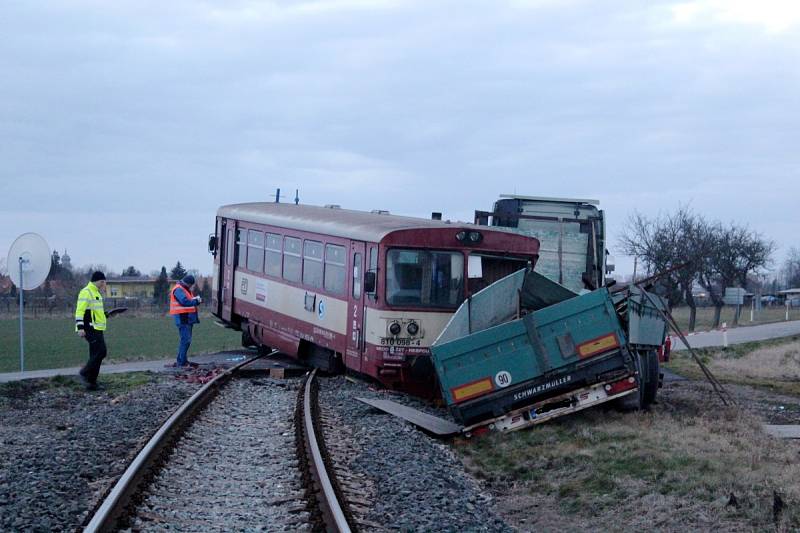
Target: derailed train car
point(349, 289)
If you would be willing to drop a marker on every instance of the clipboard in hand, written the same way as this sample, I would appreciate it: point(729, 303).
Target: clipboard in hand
point(116, 311)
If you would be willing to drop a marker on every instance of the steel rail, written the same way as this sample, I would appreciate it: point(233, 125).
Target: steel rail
point(107, 514)
point(328, 492)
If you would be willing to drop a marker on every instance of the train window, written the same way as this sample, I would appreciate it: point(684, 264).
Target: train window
point(255, 251)
point(291, 259)
point(373, 267)
point(356, 275)
point(229, 247)
point(334, 268)
point(272, 265)
point(241, 241)
point(312, 263)
point(424, 278)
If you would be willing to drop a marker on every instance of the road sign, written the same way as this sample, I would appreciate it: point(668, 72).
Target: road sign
point(734, 296)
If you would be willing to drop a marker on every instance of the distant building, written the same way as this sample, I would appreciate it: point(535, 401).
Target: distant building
point(66, 261)
point(126, 287)
point(130, 287)
point(791, 296)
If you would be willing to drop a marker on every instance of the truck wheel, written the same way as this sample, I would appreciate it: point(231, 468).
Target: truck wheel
point(647, 366)
point(649, 387)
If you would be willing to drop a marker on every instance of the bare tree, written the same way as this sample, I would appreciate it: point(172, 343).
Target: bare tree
point(734, 253)
point(677, 242)
point(791, 268)
point(707, 253)
point(653, 242)
point(694, 245)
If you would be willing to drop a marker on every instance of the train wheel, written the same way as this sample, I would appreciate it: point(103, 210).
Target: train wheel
point(324, 359)
point(247, 340)
point(264, 350)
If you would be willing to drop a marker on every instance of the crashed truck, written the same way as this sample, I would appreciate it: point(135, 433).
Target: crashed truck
point(526, 349)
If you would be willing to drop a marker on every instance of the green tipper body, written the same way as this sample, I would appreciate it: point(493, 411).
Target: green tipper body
point(528, 347)
point(526, 338)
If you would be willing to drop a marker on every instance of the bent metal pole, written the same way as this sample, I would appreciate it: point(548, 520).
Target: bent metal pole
point(21, 319)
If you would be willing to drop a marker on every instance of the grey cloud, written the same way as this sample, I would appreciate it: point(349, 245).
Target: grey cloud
point(418, 106)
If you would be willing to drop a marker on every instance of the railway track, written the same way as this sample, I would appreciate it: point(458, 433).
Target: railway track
point(239, 454)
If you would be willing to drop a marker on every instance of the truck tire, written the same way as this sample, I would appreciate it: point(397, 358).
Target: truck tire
point(649, 387)
point(643, 398)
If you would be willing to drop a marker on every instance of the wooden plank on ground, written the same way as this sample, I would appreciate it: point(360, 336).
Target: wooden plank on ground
point(786, 431)
point(434, 424)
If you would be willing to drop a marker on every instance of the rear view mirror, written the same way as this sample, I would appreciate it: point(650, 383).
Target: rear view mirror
point(369, 281)
point(212, 244)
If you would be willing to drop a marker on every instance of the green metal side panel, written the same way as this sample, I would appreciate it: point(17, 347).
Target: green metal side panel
point(528, 347)
point(645, 325)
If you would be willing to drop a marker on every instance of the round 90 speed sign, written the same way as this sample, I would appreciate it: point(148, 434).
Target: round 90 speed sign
point(503, 379)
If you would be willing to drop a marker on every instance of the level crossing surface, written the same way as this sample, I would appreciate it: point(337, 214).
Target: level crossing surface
point(223, 359)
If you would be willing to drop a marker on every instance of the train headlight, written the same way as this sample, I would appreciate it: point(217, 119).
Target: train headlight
point(475, 236)
point(461, 236)
point(412, 328)
point(395, 328)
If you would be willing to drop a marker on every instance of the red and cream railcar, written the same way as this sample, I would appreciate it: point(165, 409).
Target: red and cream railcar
point(340, 288)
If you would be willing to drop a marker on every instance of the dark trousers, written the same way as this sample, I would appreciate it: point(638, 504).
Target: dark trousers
point(185, 332)
point(97, 352)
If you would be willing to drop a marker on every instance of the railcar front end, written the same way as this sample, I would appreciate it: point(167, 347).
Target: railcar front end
point(346, 289)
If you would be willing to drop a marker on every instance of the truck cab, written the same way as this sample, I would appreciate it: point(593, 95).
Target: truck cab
point(571, 231)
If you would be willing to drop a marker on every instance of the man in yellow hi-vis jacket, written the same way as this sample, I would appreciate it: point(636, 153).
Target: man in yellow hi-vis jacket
point(90, 323)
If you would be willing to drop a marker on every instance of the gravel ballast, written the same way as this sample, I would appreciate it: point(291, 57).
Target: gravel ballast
point(61, 447)
point(416, 482)
point(235, 467)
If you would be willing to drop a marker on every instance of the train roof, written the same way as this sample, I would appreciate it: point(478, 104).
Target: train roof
point(347, 223)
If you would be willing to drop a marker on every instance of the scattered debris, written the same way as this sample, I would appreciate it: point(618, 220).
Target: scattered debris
point(199, 375)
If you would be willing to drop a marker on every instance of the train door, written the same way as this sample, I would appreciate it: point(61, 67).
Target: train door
point(226, 268)
point(355, 315)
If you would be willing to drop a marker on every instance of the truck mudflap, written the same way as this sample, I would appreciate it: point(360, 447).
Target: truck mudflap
point(554, 407)
point(600, 369)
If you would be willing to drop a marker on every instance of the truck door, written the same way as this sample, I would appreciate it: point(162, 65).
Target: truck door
point(355, 315)
point(226, 268)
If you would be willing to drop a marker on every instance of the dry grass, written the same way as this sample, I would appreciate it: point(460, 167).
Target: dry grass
point(779, 362)
point(664, 470)
point(774, 365)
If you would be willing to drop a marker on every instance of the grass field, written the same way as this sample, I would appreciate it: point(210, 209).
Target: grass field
point(52, 342)
point(689, 463)
point(705, 316)
point(662, 470)
point(772, 364)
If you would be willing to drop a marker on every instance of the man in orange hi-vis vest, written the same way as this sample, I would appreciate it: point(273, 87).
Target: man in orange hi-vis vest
point(183, 306)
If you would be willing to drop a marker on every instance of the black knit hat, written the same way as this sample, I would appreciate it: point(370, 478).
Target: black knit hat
point(188, 280)
point(98, 276)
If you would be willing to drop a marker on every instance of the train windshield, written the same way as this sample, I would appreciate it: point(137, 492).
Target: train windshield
point(424, 278)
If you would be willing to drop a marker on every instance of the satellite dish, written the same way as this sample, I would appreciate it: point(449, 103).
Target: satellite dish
point(36, 261)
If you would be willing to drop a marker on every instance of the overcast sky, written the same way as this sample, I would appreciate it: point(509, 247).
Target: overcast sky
point(124, 125)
